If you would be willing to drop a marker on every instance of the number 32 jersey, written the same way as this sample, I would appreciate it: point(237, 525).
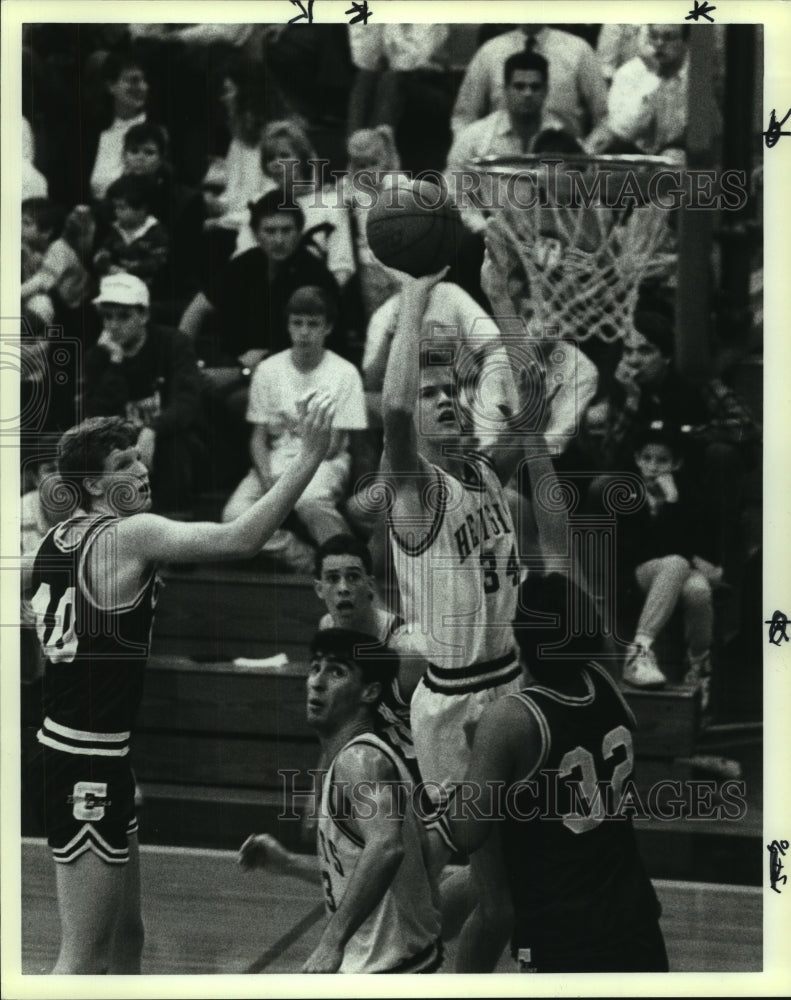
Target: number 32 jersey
point(577, 880)
point(96, 656)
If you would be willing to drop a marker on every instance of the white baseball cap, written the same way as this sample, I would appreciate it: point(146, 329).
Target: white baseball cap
point(123, 290)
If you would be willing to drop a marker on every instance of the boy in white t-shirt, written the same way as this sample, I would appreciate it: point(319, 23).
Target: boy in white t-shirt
point(277, 385)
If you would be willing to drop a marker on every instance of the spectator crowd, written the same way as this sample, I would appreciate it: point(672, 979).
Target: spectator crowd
point(180, 231)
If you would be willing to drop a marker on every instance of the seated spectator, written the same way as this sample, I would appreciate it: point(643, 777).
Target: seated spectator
point(517, 128)
point(403, 81)
point(722, 432)
point(125, 81)
point(250, 294)
point(148, 375)
point(244, 177)
point(136, 242)
point(662, 551)
point(58, 287)
point(289, 164)
point(277, 385)
point(647, 101)
point(617, 44)
point(576, 95)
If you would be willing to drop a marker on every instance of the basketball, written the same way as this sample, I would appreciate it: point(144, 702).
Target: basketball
point(412, 228)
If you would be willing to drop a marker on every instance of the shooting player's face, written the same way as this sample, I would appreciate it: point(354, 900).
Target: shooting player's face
point(124, 484)
point(345, 588)
point(336, 692)
point(437, 402)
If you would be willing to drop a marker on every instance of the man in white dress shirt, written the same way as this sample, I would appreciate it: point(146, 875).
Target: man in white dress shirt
point(577, 92)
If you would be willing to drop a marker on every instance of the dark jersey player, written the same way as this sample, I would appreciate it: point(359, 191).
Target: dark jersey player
point(581, 899)
point(93, 587)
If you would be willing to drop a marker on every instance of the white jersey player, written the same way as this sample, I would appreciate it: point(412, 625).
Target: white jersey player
point(452, 539)
point(372, 848)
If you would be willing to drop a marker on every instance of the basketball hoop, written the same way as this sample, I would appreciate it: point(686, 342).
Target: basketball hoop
point(582, 250)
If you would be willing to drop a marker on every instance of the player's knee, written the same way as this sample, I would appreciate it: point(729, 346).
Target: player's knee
point(676, 566)
point(696, 589)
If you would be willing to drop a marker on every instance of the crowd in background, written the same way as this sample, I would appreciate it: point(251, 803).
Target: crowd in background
point(157, 163)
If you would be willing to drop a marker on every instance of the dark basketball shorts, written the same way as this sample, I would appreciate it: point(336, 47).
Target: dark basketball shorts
point(85, 803)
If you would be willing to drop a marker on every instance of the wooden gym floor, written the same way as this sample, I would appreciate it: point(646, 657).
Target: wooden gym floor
point(204, 915)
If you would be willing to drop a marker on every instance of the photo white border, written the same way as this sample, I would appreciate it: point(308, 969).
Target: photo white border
point(776, 978)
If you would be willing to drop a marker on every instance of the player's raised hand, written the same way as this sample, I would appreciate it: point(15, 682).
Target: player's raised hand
point(419, 288)
point(496, 264)
point(316, 413)
point(261, 850)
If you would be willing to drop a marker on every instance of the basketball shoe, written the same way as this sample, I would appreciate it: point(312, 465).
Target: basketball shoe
point(641, 668)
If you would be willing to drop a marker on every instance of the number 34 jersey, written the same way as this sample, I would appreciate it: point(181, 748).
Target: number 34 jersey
point(458, 572)
point(577, 880)
point(96, 655)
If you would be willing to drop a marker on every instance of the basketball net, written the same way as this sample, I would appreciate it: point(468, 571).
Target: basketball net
point(581, 266)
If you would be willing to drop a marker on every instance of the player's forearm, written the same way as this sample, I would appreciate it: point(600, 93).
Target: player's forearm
point(402, 376)
point(247, 534)
point(551, 523)
point(260, 453)
point(373, 875)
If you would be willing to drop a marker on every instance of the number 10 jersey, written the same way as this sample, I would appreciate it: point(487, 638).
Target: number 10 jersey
point(96, 655)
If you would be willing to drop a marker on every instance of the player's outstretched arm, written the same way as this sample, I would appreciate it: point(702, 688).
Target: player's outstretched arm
point(402, 377)
point(261, 850)
point(381, 831)
point(149, 538)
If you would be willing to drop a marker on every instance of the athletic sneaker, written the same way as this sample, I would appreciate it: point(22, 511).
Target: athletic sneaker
point(641, 669)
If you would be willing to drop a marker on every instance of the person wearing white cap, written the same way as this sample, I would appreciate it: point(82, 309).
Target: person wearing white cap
point(147, 374)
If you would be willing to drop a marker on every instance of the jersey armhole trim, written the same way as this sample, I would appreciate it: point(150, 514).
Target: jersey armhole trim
point(543, 728)
point(599, 669)
point(83, 582)
point(439, 516)
point(378, 744)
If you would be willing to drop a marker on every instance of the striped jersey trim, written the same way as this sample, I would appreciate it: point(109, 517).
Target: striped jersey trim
point(439, 515)
point(88, 838)
point(78, 741)
point(600, 670)
point(569, 699)
point(428, 960)
point(101, 529)
point(364, 739)
point(477, 677)
point(543, 727)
